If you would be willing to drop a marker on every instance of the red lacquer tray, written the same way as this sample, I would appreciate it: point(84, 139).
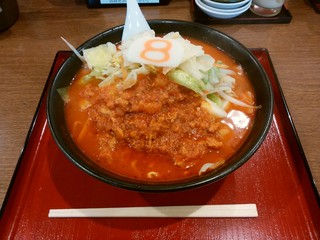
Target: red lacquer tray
point(276, 178)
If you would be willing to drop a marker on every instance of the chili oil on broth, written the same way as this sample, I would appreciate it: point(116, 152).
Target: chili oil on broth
point(124, 158)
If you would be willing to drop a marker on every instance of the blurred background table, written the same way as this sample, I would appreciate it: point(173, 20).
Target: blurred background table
point(28, 48)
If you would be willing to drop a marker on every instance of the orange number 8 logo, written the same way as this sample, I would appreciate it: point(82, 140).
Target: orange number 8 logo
point(156, 50)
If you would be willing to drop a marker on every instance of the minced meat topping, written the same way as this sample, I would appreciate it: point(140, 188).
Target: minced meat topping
point(155, 115)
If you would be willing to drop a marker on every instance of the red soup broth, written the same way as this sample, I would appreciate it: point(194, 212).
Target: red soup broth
point(124, 160)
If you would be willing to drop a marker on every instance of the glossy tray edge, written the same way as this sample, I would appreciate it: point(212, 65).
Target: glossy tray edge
point(33, 122)
point(303, 156)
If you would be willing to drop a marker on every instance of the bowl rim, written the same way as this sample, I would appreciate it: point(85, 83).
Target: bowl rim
point(223, 12)
point(225, 6)
point(117, 180)
point(227, 2)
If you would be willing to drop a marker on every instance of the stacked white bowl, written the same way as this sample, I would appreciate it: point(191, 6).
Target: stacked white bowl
point(223, 9)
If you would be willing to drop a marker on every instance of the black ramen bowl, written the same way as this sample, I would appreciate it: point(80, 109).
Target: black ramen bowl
point(257, 75)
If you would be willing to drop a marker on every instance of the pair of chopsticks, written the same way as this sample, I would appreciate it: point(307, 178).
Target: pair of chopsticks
point(200, 211)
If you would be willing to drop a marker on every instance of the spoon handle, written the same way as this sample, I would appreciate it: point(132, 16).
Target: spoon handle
point(135, 21)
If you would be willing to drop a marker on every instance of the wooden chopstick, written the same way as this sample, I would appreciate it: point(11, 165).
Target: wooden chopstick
point(201, 211)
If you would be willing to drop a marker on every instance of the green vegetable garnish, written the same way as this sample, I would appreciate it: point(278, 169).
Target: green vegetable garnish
point(186, 80)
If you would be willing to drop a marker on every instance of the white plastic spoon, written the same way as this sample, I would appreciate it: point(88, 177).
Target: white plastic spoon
point(135, 21)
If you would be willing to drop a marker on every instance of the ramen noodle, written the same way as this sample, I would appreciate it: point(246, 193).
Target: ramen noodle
point(159, 108)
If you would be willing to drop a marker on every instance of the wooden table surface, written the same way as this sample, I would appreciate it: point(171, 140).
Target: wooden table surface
point(28, 48)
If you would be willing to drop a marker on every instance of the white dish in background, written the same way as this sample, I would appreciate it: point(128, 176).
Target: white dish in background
point(222, 13)
point(225, 5)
